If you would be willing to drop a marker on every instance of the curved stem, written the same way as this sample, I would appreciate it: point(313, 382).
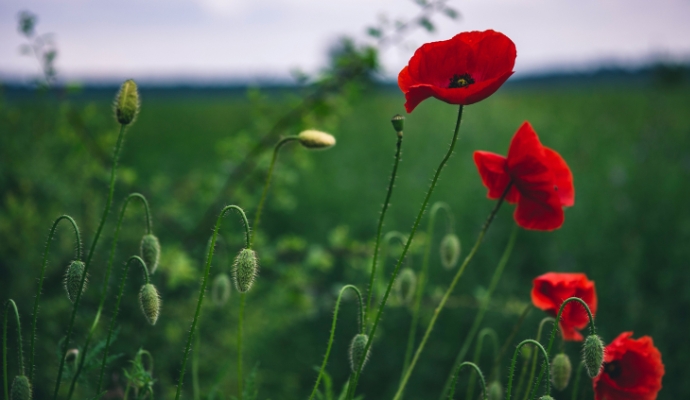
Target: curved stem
point(330, 339)
point(382, 216)
point(592, 331)
point(207, 270)
point(533, 368)
point(434, 180)
point(111, 259)
point(578, 375)
point(450, 289)
point(20, 351)
point(240, 333)
point(512, 365)
point(89, 257)
point(281, 142)
point(476, 370)
point(484, 307)
point(387, 239)
point(509, 340)
point(75, 228)
point(477, 352)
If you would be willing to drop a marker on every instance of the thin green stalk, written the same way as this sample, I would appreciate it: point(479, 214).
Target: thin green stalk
point(592, 331)
point(281, 142)
point(207, 270)
point(434, 180)
point(477, 352)
point(104, 290)
point(475, 370)
point(195, 365)
point(422, 281)
point(512, 366)
point(533, 368)
point(332, 336)
point(20, 351)
point(240, 332)
point(485, 305)
point(578, 375)
point(523, 376)
point(41, 278)
point(387, 239)
point(448, 292)
point(508, 342)
point(382, 216)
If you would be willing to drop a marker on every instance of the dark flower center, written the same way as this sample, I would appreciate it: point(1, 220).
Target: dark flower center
point(459, 81)
point(613, 369)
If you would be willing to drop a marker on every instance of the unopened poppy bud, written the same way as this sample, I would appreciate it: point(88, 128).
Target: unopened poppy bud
point(220, 290)
point(593, 355)
point(546, 397)
point(150, 303)
point(313, 139)
point(244, 270)
point(150, 251)
point(405, 285)
point(495, 391)
point(359, 342)
point(21, 388)
point(73, 279)
point(560, 371)
point(127, 103)
point(398, 122)
point(450, 250)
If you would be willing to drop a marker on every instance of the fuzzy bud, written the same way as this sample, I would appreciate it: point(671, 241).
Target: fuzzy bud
point(359, 342)
point(21, 388)
point(593, 355)
point(561, 368)
point(244, 270)
point(405, 285)
point(73, 279)
point(546, 397)
point(127, 103)
point(220, 289)
point(150, 252)
point(398, 122)
point(450, 250)
point(313, 139)
point(495, 390)
point(150, 303)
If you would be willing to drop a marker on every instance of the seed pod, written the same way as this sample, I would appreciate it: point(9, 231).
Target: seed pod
point(359, 342)
point(450, 250)
point(495, 390)
point(127, 103)
point(21, 388)
point(150, 303)
point(150, 251)
point(593, 355)
point(313, 139)
point(560, 371)
point(244, 270)
point(73, 279)
point(220, 289)
point(405, 286)
point(398, 122)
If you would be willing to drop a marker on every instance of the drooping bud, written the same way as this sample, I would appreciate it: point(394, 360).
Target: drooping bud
point(593, 355)
point(220, 289)
point(560, 371)
point(127, 103)
point(73, 279)
point(150, 251)
point(244, 270)
point(398, 122)
point(313, 139)
point(495, 390)
point(150, 303)
point(21, 388)
point(405, 285)
point(450, 250)
point(359, 342)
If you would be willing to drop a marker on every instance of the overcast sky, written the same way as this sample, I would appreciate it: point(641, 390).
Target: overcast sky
point(224, 39)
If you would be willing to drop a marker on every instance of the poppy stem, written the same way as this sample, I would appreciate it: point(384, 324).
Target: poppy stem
point(533, 368)
point(477, 352)
point(20, 352)
point(578, 375)
point(512, 365)
point(353, 386)
point(456, 372)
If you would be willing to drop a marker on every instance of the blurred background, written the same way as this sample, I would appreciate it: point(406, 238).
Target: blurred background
point(605, 83)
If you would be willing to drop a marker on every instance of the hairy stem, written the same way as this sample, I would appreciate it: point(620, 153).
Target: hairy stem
point(240, 333)
point(512, 365)
point(475, 370)
point(20, 351)
point(535, 356)
point(578, 375)
point(477, 352)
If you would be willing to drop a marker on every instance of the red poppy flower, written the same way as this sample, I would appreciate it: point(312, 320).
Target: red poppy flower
point(632, 370)
point(542, 183)
point(551, 289)
point(463, 70)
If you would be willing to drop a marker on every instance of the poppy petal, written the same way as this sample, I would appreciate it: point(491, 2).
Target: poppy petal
point(491, 168)
point(562, 176)
point(526, 153)
point(488, 66)
point(436, 63)
point(470, 94)
point(540, 210)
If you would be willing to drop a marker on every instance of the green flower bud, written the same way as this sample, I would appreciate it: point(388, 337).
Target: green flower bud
point(245, 269)
point(398, 122)
point(73, 279)
point(313, 139)
point(150, 251)
point(560, 371)
point(405, 286)
point(359, 342)
point(220, 289)
point(21, 388)
point(127, 103)
point(495, 390)
point(593, 355)
point(150, 302)
point(546, 397)
point(450, 250)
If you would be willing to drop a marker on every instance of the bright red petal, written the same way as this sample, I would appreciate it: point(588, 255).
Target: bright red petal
point(563, 178)
point(539, 210)
point(436, 63)
point(470, 94)
point(495, 56)
point(491, 168)
point(526, 153)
